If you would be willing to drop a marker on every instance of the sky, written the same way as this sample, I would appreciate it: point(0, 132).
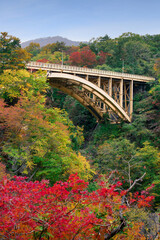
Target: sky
point(78, 20)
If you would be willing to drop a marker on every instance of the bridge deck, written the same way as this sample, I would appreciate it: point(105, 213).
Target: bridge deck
point(87, 71)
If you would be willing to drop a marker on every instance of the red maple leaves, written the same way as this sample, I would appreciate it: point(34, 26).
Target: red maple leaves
point(34, 210)
point(85, 57)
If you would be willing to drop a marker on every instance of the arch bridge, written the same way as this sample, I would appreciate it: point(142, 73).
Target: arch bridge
point(99, 91)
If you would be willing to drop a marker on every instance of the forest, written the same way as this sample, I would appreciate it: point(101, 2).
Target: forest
point(62, 174)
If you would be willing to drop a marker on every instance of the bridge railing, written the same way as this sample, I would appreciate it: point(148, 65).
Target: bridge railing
point(83, 70)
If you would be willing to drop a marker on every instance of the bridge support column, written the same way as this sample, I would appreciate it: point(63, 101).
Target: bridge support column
point(110, 87)
point(125, 97)
point(100, 103)
point(99, 82)
point(121, 93)
point(131, 98)
point(87, 77)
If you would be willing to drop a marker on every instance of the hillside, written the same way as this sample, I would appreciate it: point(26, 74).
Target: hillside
point(47, 40)
point(63, 175)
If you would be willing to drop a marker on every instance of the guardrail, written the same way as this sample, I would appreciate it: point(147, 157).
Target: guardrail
point(50, 66)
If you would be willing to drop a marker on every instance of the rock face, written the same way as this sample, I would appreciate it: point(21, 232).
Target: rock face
point(47, 40)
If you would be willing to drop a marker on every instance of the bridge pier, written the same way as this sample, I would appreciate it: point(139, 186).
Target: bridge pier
point(131, 99)
point(121, 92)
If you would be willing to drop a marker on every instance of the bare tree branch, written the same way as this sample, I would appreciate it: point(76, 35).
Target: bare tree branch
point(135, 182)
point(117, 230)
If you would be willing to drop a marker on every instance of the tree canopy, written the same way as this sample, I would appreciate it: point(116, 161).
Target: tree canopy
point(12, 56)
point(75, 178)
point(130, 52)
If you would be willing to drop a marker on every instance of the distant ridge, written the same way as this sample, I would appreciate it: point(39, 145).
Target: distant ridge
point(47, 40)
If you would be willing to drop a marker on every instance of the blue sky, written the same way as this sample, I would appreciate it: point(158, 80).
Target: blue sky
point(79, 20)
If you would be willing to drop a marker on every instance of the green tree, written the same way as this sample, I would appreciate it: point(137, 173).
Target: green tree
point(33, 48)
point(38, 143)
point(120, 155)
point(146, 118)
point(12, 56)
point(15, 83)
point(35, 140)
point(117, 155)
point(157, 66)
point(58, 57)
point(43, 55)
point(137, 55)
point(80, 116)
point(58, 46)
point(149, 158)
point(154, 42)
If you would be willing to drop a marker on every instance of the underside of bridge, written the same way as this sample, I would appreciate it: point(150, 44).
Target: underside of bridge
point(112, 98)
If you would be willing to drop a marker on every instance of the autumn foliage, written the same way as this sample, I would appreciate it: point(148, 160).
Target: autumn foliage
point(12, 56)
point(50, 197)
point(85, 57)
point(34, 139)
point(102, 57)
point(37, 138)
point(157, 66)
point(43, 60)
point(34, 210)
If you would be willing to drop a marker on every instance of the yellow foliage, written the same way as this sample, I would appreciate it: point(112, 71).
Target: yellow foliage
point(131, 233)
point(12, 82)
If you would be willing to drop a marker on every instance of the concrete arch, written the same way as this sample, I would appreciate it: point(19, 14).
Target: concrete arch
point(100, 93)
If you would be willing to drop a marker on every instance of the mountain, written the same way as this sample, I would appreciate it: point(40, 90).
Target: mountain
point(47, 40)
